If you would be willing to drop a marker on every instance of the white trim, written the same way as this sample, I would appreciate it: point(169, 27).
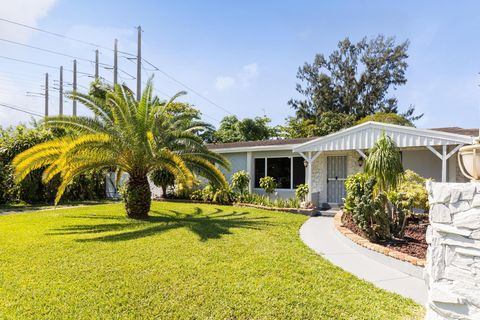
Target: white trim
point(361, 153)
point(451, 153)
point(281, 147)
point(250, 171)
point(363, 136)
point(435, 152)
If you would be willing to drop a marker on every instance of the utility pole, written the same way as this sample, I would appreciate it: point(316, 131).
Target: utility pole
point(46, 94)
point(115, 62)
point(74, 87)
point(96, 64)
point(139, 63)
point(60, 93)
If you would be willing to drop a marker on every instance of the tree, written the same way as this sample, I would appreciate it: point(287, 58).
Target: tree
point(387, 117)
point(232, 129)
point(163, 178)
point(136, 137)
point(354, 79)
point(329, 122)
point(385, 163)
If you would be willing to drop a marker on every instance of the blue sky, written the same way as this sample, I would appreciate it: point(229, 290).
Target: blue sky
point(244, 55)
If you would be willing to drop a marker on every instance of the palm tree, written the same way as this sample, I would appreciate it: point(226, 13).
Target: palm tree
point(134, 137)
point(385, 163)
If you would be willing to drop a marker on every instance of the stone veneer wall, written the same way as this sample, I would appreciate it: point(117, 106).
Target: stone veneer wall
point(319, 171)
point(452, 271)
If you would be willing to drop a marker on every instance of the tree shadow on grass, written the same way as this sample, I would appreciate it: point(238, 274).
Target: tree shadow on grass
point(207, 225)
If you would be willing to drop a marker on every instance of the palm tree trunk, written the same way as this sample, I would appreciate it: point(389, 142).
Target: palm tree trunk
point(138, 197)
point(164, 191)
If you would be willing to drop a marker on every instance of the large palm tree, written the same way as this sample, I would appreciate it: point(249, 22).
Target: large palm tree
point(134, 137)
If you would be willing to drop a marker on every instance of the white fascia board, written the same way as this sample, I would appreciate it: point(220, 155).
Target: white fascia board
point(281, 147)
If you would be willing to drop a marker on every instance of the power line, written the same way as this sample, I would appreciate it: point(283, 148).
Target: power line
point(106, 48)
point(33, 113)
point(188, 87)
point(105, 65)
point(42, 65)
point(62, 36)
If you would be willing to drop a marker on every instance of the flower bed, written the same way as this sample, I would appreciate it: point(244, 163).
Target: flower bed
point(404, 251)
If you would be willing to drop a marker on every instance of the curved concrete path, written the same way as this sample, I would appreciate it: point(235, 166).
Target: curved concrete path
point(319, 233)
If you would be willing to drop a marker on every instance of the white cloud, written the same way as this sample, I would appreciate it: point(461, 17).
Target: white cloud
point(23, 11)
point(223, 83)
point(242, 79)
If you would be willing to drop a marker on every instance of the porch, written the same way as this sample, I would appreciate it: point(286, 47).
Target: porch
point(331, 159)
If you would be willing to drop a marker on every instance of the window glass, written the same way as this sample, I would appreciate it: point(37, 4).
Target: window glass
point(279, 169)
point(259, 171)
point(298, 171)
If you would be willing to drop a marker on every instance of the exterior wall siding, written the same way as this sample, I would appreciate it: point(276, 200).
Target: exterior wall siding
point(238, 162)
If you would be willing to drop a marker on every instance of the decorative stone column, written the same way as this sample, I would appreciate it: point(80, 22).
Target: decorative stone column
point(452, 271)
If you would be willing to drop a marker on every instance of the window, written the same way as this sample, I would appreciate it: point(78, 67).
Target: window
point(298, 171)
point(288, 172)
point(259, 171)
point(279, 169)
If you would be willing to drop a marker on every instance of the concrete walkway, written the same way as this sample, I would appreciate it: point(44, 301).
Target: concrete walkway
point(385, 272)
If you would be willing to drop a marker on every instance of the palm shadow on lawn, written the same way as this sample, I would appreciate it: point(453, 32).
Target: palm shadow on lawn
point(207, 225)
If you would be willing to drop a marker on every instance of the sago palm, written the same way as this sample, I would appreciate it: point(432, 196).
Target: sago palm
point(134, 137)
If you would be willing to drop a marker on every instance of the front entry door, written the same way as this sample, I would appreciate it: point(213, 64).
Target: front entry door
point(336, 176)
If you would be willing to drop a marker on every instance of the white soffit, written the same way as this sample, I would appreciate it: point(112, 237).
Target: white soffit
point(366, 134)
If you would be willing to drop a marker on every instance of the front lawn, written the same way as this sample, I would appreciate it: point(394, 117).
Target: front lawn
point(187, 261)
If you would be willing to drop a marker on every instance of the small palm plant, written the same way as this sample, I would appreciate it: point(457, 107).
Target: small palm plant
point(134, 137)
point(385, 163)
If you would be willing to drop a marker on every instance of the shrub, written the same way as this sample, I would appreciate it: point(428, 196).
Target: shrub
point(413, 186)
point(301, 192)
point(196, 195)
point(268, 184)
point(367, 210)
point(224, 195)
point(208, 193)
point(240, 181)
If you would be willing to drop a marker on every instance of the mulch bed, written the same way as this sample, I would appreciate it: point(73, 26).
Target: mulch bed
point(413, 244)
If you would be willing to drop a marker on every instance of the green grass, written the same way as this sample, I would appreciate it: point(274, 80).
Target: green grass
point(188, 261)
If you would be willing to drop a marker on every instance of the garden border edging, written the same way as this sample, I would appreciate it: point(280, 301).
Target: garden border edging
point(306, 212)
point(374, 246)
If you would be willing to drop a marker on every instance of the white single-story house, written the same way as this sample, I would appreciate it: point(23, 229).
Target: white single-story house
point(325, 162)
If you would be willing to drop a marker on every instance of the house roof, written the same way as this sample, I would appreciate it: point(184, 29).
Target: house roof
point(468, 132)
point(260, 145)
point(370, 130)
point(365, 135)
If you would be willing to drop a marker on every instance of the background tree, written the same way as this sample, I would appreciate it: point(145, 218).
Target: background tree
point(163, 179)
point(329, 122)
point(387, 117)
point(354, 79)
point(232, 129)
point(13, 141)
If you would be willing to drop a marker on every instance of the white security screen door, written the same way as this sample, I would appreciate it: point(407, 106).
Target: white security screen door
point(336, 176)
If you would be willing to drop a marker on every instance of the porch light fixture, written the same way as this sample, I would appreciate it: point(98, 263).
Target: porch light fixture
point(360, 161)
point(469, 160)
point(305, 163)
